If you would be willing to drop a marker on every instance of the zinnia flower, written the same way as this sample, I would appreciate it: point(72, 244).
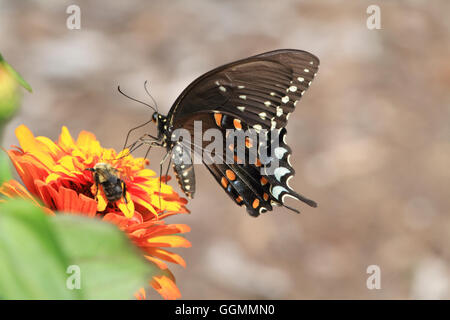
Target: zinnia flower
point(55, 173)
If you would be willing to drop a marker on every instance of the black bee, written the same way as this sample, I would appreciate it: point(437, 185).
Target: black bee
point(107, 176)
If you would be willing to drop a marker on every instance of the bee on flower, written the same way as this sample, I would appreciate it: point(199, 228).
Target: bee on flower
point(81, 177)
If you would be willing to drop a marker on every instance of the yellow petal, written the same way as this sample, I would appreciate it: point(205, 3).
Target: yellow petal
point(67, 162)
point(85, 138)
point(29, 144)
point(170, 241)
point(52, 177)
point(52, 147)
point(66, 140)
point(146, 205)
point(102, 202)
point(128, 208)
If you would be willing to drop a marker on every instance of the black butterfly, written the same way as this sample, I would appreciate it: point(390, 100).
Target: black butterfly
point(258, 92)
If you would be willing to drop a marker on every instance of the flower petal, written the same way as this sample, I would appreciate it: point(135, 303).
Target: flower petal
point(166, 255)
point(169, 241)
point(126, 208)
point(166, 288)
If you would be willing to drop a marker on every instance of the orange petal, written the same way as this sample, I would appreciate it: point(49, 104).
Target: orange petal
point(140, 295)
point(87, 205)
point(166, 255)
point(160, 264)
point(169, 241)
point(166, 288)
point(13, 189)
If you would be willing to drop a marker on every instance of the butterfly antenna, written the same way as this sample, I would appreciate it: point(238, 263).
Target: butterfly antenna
point(151, 97)
point(134, 99)
point(140, 126)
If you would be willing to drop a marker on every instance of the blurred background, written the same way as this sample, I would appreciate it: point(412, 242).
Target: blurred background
point(370, 138)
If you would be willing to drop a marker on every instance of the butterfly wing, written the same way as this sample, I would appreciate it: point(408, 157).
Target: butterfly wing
point(262, 89)
point(258, 92)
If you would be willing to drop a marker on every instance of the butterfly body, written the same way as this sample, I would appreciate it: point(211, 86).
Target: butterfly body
point(257, 93)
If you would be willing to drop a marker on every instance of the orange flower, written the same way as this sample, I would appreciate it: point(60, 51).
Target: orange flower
point(55, 173)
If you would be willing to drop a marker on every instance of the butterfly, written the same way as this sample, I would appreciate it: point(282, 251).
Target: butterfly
point(259, 93)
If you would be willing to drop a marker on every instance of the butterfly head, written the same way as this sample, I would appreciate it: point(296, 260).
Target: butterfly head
point(155, 117)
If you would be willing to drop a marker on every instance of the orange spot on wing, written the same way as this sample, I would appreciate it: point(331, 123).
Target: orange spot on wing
point(266, 196)
point(255, 204)
point(263, 181)
point(224, 182)
point(230, 175)
point(237, 124)
point(218, 118)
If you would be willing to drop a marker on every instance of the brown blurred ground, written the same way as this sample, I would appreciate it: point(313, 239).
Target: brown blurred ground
point(370, 139)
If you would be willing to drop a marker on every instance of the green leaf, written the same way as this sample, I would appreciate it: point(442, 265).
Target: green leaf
point(111, 267)
point(5, 169)
point(32, 264)
point(36, 251)
point(15, 74)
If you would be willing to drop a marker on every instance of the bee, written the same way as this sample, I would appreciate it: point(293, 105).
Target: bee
point(107, 176)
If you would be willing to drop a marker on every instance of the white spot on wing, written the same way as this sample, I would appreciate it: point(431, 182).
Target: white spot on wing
point(301, 79)
point(279, 152)
point(287, 182)
point(288, 195)
point(243, 97)
point(280, 172)
point(274, 124)
point(242, 108)
point(277, 190)
point(257, 127)
point(279, 111)
point(285, 99)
